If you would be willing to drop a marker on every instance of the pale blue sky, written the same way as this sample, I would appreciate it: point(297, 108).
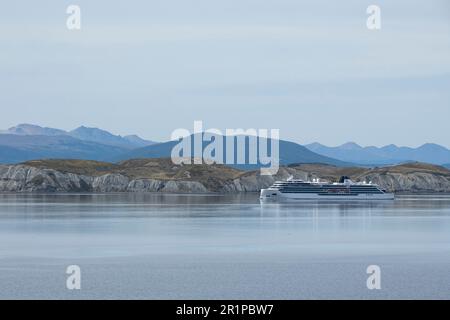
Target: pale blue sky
point(309, 68)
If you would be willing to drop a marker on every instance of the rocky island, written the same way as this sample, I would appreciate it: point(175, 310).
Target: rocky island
point(161, 175)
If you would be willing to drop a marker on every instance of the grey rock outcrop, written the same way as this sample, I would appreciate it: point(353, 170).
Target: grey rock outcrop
point(417, 182)
point(152, 185)
point(145, 185)
point(24, 178)
point(20, 178)
point(110, 182)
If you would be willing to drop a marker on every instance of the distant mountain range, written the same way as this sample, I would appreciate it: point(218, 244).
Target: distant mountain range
point(82, 133)
point(290, 153)
point(19, 148)
point(391, 154)
point(28, 142)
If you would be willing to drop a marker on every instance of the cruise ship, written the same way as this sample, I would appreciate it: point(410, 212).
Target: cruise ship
point(345, 189)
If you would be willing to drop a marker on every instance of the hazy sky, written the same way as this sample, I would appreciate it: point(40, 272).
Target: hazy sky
point(310, 68)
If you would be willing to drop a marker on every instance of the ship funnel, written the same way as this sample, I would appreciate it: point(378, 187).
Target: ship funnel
point(343, 178)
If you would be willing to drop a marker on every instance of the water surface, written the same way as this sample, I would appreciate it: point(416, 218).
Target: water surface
point(138, 246)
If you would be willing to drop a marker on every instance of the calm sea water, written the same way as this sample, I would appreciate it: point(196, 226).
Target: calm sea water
point(230, 247)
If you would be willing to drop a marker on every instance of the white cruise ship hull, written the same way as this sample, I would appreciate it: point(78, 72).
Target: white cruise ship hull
point(268, 194)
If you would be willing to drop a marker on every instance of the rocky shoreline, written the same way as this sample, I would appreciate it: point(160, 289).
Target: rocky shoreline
point(162, 177)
